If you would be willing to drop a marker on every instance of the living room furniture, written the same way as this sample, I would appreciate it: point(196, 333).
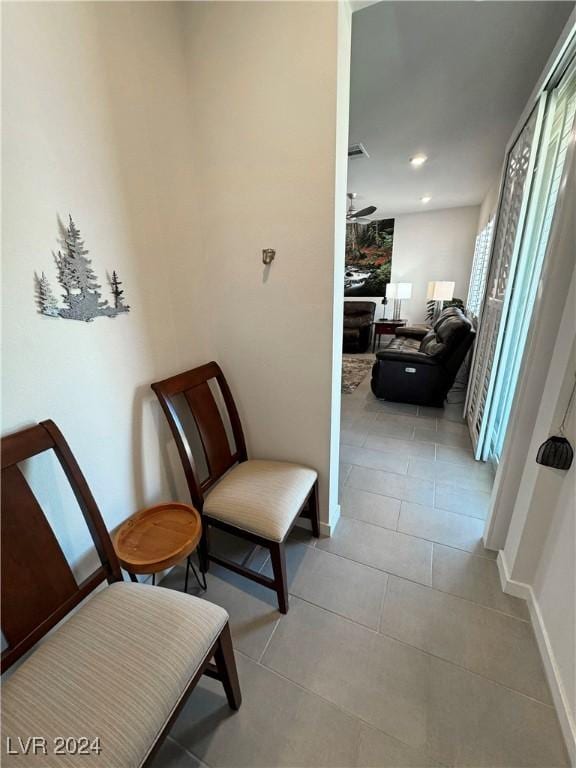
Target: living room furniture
point(421, 371)
point(384, 328)
point(399, 292)
point(253, 499)
point(110, 680)
point(358, 317)
point(154, 539)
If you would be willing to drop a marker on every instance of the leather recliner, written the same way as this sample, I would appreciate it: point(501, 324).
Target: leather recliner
point(421, 371)
point(358, 318)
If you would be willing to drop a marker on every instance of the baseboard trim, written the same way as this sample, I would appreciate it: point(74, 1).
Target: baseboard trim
point(327, 529)
point(559, 696)
point(511, 587)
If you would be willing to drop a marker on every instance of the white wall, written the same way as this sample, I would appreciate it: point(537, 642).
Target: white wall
point(342, 119)
point(438, 245)
point(533, 507)
point(263, 76)
point(489, 204)
point(85, 132)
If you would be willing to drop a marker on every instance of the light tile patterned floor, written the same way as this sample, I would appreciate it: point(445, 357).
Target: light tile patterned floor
point(399, 648)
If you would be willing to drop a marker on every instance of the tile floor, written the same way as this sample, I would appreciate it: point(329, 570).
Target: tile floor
point(399, 648)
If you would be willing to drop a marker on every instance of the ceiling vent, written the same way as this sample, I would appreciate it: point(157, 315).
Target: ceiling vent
point(357, 150)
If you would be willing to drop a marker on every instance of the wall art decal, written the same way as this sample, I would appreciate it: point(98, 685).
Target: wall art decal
point(81, 297)
point(368, 257)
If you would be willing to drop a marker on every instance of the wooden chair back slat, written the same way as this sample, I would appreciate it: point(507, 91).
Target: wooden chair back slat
point(220, 457)
point(211, 428)
point(29, 561)
point(38, 587)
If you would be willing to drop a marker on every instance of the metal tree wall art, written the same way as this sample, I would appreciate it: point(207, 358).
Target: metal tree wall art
point(81, 296)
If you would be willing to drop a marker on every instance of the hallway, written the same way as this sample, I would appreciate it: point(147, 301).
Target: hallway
point(399, 648)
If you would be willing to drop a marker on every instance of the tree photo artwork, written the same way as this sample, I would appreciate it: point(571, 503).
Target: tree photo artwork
point(368, 257)
point(81, 297)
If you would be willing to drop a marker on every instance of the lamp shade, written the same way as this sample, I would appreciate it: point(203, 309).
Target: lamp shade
point(440, 290)
point(404, 291)
point(392, 290)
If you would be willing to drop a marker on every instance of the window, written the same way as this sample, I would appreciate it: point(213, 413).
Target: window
point(479, 272)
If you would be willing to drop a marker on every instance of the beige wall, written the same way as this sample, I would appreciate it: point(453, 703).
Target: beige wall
point(183, 141)
point(85, 132)
point(263, 76)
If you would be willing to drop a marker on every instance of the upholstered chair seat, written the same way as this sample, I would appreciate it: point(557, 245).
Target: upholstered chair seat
point(261, 497)
point(256, 500)
point(116, 669)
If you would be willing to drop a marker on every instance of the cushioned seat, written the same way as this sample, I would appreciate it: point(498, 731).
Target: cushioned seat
point(421, 369)
point(262, 497)
point(116, 669)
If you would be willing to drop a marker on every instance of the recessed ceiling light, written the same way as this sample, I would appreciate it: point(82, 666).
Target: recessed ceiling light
point(426, 199)
point(418, 160)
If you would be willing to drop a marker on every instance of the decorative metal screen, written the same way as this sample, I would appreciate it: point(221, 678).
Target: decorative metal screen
point(556, 136)
point(508, 227)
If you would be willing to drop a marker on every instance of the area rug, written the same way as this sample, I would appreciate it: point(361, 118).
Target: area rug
point(354, 371)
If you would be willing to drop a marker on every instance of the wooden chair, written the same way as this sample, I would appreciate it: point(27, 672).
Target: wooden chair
point(113, 676)
point(256, 500)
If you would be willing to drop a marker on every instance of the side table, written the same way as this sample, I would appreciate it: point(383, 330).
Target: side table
point(157, 538)
point(382, 327)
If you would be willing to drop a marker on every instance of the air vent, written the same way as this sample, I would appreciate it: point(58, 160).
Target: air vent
point(357, 150)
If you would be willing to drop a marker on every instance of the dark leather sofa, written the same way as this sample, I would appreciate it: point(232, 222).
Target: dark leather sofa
point(358, 318)
point(420, 366)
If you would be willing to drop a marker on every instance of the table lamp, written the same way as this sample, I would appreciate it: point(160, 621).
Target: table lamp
point(389, 293)
point(398, 292)
point(440, 291)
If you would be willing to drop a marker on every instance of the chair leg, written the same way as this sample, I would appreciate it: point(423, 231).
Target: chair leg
point(278, 557)
point(226, 665)
point(203, 549)
point(315, 511)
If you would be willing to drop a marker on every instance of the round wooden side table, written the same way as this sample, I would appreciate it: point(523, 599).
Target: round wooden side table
point(157, 538)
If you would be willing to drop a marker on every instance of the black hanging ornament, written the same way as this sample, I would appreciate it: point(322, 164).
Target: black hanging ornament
point(557, 452)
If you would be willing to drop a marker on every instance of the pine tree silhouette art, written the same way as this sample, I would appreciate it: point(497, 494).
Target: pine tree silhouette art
point(79, 282)
point(47, 302)
point(118, 293)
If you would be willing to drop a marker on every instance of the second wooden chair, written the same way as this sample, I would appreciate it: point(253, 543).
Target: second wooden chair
point(257, 500)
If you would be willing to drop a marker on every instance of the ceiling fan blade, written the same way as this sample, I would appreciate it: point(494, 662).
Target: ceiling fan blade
point(356, 220)
point(365, 211)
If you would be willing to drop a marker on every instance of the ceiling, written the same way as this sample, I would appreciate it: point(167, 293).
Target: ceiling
point(447, 79)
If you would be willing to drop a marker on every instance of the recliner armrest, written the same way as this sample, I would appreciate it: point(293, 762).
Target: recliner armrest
point(400, 356)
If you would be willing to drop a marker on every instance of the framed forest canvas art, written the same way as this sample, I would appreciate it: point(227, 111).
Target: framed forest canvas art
point(368, 258)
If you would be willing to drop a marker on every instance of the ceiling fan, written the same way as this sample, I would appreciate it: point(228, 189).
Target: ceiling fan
point(357, 217)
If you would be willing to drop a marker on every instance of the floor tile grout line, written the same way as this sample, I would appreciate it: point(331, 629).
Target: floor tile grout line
point(420, 650)
point(189, 752)
point(376, 469)
point(471, 671)
point(460, 514)
point(386, 495)
point(332, 612)
point(331, 703)
point(383, 604)
point(429, 586)
point(270, 638)
point(410, 535)
point(441, 543)
point(415, 477)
